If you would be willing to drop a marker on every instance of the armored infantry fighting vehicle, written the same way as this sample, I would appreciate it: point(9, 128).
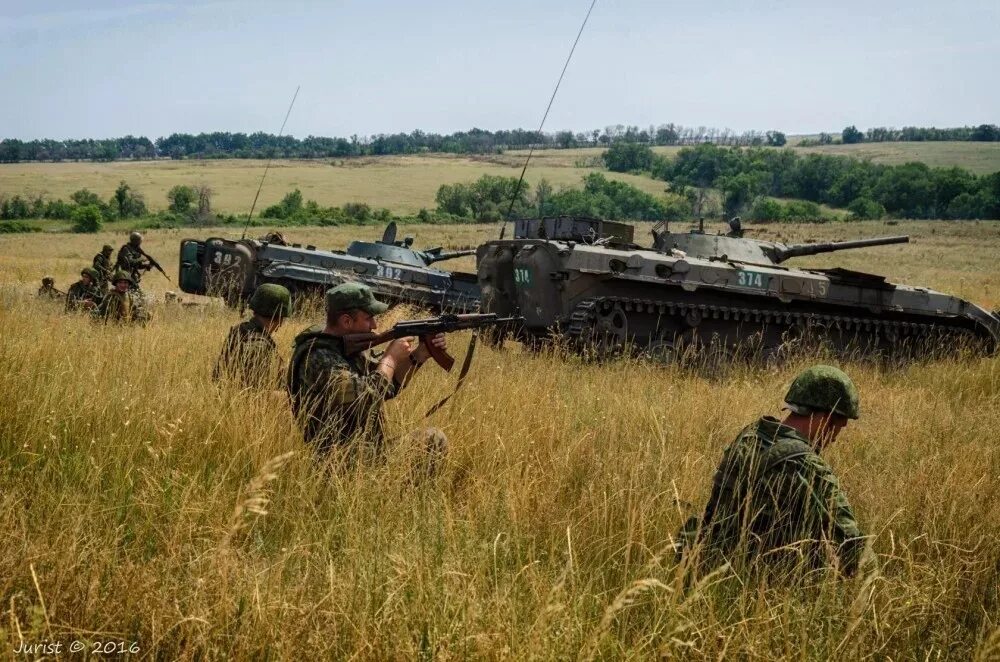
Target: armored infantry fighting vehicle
point(394, 270)
point(587, 281)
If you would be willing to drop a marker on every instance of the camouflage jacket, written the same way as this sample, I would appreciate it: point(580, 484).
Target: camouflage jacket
point(118, 307)
point(249, 356)
point(775, 498)
point(78, 293)
point(102, 263)
point(132, 260)
point(337, 399)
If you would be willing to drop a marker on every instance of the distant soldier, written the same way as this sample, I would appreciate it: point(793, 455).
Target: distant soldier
point(124, 303)
point(84, 294)
point(102, 263)
point(48, 289)
point(249, 355)
point(773, 497)
point(338, 398)
point(132, 260)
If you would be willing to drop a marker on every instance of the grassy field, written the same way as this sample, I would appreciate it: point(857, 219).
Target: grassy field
point(141, 502)
point(402, 184)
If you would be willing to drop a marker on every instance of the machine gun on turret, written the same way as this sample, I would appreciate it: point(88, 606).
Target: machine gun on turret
point(780, 252)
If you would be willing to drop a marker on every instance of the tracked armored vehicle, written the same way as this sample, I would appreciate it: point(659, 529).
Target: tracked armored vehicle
point(586, 281)
point(393, 269)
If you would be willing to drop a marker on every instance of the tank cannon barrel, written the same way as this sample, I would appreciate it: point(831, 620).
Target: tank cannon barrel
point(437, 257)
point(795, 250)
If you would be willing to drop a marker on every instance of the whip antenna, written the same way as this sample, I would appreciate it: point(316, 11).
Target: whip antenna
point(268, 166)
point(531, 150)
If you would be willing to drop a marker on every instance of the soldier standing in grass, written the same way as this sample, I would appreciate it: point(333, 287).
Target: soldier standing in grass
point(102, 264)
point(773, 497)
point(249, 354)
point(85, 293)
point(338, 398)
point(132, 260)
point(124, 303)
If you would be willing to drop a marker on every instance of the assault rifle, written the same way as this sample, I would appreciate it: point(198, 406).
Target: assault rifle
point(424, 329)
point(153, 263)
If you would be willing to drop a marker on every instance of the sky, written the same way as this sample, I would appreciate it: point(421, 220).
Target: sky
point(382, 66)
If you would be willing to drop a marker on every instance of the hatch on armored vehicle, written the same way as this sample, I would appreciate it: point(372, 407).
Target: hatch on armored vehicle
point(395, 271)
point(586, 281)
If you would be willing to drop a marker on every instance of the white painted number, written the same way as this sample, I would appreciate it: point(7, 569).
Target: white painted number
point(383, 271)
point(751, 279)
point(226, 259)
point(522, 276)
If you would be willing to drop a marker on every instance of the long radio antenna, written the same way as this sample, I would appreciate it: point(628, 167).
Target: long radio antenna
point(531, 150)
point(268, 166)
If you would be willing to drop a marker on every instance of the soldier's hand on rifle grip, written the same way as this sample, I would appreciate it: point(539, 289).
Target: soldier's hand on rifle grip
point(434, 346)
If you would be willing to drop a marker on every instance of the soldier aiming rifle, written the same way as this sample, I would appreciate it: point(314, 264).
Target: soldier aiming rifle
point(337, 387)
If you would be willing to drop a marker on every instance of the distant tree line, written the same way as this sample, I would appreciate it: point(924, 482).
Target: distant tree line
point(747, 177)
point(221, 145)
point(852, 135)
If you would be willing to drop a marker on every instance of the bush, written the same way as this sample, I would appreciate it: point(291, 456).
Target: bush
point(866, 209)
point(8, 227)
point(88, 218)
point(181, 198)
point(628, 157)
point(767, 209)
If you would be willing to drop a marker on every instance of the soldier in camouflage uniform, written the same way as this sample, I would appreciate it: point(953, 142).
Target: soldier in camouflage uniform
point(48, 289)
point(773, 497)
point(132, 260)
point(102, 264)
point(85, 293)
point(124, 303)
point(338, 398)
point(249, 355)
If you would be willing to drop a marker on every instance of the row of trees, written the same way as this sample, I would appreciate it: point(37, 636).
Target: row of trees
point(264, 145)
point(490, 197)
point(869, 190)
point(185, 203)
point(881, 134)
point(124, 203)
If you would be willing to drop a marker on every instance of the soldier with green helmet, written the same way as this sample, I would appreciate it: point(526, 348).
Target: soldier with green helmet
point(123, 303)
point(102, 263)
point(132, 260)
point(85, 293)
point(249, 355)
point(48, 289)
point(338, 398)
point(774, 499)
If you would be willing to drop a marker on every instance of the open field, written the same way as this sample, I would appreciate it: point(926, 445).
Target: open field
point(402, 184)
point(141, 502)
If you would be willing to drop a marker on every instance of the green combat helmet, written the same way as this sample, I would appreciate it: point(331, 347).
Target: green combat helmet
point(122, 275)
point(92, 272)
point(108, 249)
point(48, 280)
point(823, 388)
point(271, 301)
point(135, 238)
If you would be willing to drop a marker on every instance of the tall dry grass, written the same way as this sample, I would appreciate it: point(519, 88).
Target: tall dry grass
point(141, 501)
